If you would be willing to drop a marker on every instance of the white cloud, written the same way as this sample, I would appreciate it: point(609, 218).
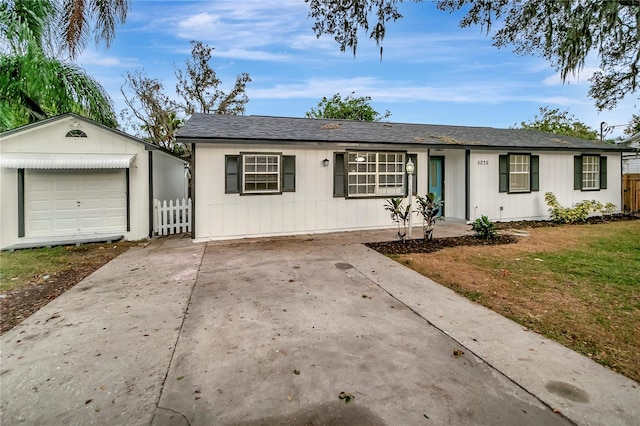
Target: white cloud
point(93, 58)
point(200, 22)
point(563, 100)
point(252, 55)
point(380, 90)
point(581, 77)
point(243, 24)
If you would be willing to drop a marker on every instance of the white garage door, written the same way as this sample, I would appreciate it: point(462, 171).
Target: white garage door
point(68, 202)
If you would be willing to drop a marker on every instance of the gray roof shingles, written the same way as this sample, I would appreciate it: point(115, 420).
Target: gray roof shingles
point(218, 128)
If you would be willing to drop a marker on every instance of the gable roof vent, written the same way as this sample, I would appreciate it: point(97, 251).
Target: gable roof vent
point(76, 133)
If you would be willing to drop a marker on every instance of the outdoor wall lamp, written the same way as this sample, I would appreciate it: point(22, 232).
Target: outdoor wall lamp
point(410, 168)
point(325, 162)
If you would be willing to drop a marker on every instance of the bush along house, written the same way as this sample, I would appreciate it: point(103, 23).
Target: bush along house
point(266, 176)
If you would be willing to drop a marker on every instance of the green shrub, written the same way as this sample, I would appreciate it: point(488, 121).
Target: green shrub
point(429, 207)
point(399, 214)
point(484, 228)
point(579, 212)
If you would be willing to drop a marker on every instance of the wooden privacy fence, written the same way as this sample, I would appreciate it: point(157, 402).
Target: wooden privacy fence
point(631, 192)
point(171, 218)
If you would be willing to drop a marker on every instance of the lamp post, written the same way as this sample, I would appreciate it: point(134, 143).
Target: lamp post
point(410, 169)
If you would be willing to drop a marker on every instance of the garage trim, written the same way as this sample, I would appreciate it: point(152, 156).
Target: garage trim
point(20, 203)
point(66, 161)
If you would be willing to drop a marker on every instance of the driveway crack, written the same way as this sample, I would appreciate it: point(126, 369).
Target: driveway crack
point(176, 412)
point(175, 347)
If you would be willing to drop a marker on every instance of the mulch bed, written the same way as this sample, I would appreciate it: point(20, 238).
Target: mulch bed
point(593, 220)
point(422, 246)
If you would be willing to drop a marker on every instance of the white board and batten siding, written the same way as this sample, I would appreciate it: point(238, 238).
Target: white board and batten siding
point(169, 181)
point(556, 175)
point(312, 208)
point(631, 163)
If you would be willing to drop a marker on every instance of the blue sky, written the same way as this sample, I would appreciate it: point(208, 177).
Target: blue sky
point(432, 71)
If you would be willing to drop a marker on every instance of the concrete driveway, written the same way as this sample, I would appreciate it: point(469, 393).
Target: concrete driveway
point(273, 331)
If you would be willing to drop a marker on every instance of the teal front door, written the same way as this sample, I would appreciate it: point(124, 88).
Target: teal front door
point(436, 178)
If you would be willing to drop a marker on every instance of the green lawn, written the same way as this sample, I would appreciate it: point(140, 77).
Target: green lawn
point(577, 284)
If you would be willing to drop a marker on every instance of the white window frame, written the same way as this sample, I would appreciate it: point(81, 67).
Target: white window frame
point(519, 166)
point(590, 172)
point(272, 167)
point(372, 170)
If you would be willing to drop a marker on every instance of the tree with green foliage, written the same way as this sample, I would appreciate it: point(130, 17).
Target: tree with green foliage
point(559, 123)
point(34, 83)
point(634, 125)
point(565, 32)
point(350, 108)
point(156, 117)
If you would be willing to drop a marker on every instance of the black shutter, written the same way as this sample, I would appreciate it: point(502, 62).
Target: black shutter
point(603, 172)
point(503, 167)
point(577, 172)
point(339, 182)
point(288, 173)
point(535, 173)
point(414, 160)
point(231, 174)
point(21, 203)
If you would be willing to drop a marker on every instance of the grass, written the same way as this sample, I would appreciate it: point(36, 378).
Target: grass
point(24, 267)
point(579, 285)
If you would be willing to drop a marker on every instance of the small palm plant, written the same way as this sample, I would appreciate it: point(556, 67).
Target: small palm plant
point(429, 208)
point(399, 214)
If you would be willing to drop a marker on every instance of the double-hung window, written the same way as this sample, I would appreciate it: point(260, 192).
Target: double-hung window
point(519, 173)
point(371, 174)
point(519, 169)
point(590, 172)
point(260, 173)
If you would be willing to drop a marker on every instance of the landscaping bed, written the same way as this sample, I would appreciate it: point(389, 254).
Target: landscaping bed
point(422, 246)
point(521, 224)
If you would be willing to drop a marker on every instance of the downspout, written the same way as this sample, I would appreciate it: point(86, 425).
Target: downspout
point(21, 232)
point(150, 194)
point(193, 191)
point(467, 184)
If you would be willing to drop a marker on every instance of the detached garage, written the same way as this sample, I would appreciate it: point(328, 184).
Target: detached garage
point(69, 179)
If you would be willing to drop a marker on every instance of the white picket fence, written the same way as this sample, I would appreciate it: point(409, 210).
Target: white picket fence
point(172, 217)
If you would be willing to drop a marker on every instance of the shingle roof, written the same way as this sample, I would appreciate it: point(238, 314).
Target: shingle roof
point(218, 128)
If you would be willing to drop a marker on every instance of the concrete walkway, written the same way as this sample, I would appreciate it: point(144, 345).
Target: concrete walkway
point(270, 331)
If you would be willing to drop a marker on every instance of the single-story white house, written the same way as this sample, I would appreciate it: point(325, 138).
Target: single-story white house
point(631, 160)
point(267, 176)
point(69, 179)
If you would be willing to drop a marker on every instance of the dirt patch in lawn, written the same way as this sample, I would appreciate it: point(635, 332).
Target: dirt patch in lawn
point(45, 279)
